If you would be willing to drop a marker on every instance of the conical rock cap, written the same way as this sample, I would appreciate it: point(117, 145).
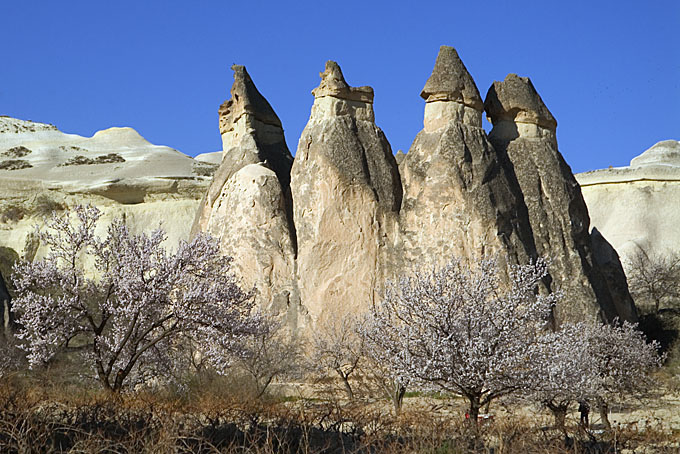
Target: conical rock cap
point(515, 99)
point(451, 81)
point(245, 98)
point(333, 84)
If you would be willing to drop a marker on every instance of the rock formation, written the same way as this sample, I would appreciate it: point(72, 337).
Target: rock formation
point(524, 136)
point(116, 170)
point(248, 205)
point(346, 192)
point(320, 238)
point(458, 200)
point(636, 207)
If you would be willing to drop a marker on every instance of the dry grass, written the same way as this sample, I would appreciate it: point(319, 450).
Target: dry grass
point(51, 419)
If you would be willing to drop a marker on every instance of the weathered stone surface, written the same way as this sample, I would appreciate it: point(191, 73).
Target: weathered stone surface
point(346, 191)
point(333, 84)
point(248, 205)
point(251, 220)
point(516, 100)
point(245, 99)
point(150, 184)
point(636, 208)
point(664, 153)
point(524, 135)
point(451, 81)
point(458, 200)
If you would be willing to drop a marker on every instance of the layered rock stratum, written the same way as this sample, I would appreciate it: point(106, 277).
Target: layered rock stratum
point(318, 236)
point(636, 207)
point(43, 169)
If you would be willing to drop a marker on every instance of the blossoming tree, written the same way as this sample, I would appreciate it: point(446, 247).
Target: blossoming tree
point(595, 362)
point(136, 307)
point(459, 329)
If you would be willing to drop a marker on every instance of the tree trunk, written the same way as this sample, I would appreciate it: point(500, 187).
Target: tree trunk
point(604, 414)
point(348, 388)
point(559, 412)
point(473, 411)
point(398, 399)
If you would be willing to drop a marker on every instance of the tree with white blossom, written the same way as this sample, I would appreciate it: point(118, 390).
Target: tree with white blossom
point(595, 362)
point(132, 313)
point(464, 329)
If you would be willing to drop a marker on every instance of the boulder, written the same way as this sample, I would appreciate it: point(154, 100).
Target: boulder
point(523, 134)
point(346, 194)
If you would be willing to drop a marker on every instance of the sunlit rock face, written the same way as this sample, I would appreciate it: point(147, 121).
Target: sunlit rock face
point(319, 236)
point(458, 199)
point(523, 134)
point(346, 195)
point(248, 205)
point(636, 207)
point(43, 169)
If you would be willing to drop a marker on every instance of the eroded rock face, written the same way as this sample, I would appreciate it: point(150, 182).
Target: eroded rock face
point(248, 205)
point(346, 192)
point(319, 238)
point(458, 200)
point(636, 207)
point(524, 135)
point(116, 170)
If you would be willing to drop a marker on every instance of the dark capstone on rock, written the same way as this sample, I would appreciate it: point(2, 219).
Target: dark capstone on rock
point(523, 134)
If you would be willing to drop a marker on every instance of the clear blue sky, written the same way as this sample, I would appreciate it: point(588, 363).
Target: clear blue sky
point(608, 70)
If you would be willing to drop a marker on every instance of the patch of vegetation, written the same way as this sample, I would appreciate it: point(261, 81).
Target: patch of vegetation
point(204, 169)
point(14, 164)
point(72, 148)
point(17, 152)
point(12, 213)
point(45, 205)
point(103, 159)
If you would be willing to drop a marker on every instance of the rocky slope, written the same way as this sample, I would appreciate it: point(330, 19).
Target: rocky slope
point(324, 234)
point(636, 207)
point(43, 169)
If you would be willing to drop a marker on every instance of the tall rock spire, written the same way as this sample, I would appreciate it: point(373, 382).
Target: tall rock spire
point(346, 193)
point(458, 200)
point(248, 205)
point(524, 135)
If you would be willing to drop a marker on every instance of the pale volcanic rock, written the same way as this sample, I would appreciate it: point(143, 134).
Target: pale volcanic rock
point(458, 201)
point(250, 219)
point(346, 192)
point(524, 135)
point(116, 170)
point(636, 207)
point(248, 205)
point(664, 153)
point(251, 134)
point(214, 157)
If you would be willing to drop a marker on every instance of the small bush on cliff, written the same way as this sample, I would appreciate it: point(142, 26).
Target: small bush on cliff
point(132, 316)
